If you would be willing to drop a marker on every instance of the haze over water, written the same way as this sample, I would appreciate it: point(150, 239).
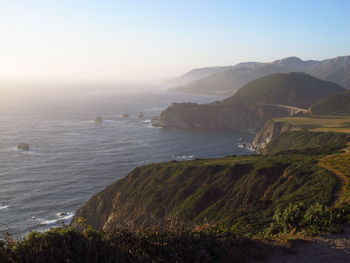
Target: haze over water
point(72, 157)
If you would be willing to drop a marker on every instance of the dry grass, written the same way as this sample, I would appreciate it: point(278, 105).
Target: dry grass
point(323, 124)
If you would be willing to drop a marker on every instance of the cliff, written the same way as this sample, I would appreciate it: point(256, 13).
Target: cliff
point(286, 134)
point(239, 116)
point(240, 191)
point(271, 130)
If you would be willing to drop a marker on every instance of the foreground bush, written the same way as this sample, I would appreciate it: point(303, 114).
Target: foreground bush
point(314, 219)
point(138, 245)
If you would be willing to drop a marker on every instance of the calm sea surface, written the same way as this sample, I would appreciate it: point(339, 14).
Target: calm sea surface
point(72, 157)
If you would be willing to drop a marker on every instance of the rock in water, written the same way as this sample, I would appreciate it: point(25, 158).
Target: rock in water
point(98, 119)
point(23, 147)
point(141, 115)
point(125, 115)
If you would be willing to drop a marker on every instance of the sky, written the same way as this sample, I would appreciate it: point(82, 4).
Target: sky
point(141, 40)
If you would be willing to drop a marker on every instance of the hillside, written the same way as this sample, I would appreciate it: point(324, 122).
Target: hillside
point(336, 70)
point(242, 191)
point(229, 80)
point(292, 89)
point(273, 96)
point(336, 105)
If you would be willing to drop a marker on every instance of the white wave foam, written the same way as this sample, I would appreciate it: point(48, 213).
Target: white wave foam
point(3, 207)
point(61, 218)
point(65, 215)
point(183, 156)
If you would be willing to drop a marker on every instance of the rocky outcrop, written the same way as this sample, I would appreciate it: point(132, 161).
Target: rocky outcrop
point(98, 119)
point(271, 130)
point(23, 147)
point(239, 116)
point(295, 134)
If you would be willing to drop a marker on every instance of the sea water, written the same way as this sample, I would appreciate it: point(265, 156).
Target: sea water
point(71, 157)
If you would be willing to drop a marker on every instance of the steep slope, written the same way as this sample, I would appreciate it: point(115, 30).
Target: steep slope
point(253, 105)
point(299, 133)
point(241, 191)
point(230, 79)
point(336, 105)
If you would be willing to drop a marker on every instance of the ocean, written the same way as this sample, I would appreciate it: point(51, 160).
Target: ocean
point(72, 157)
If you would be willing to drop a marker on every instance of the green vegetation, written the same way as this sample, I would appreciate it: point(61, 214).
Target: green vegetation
point(308, 141)
point(201, 244)
point(318, 124)
point(317, 218)
point(242, 192)
point(206, 210)
point(336, 105)
point(292, 89)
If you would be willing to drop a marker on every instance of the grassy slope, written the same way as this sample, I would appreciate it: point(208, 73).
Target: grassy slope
point(242, 191)
point(315, 131)
point(321, 124)
point(337, 105)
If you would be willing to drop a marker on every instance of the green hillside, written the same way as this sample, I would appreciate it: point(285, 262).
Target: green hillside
point(292, 89)
point(238, 191)
point(336, 105)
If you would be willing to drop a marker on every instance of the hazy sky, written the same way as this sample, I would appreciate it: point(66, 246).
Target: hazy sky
point(73, 40)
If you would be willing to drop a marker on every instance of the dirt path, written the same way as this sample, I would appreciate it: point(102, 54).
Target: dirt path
point(328, 249)
point(323, 249)
point(344, 179)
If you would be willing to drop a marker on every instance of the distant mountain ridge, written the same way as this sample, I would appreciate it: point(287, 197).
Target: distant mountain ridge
point(229, 79)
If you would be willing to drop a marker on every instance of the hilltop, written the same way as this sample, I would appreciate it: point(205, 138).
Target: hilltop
point(290, 89)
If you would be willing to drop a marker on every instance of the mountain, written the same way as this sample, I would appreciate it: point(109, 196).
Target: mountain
point(277, 95)
point(295, 63)
point(336, 105)
point(197, 73)
point(336, 70)
point(229, 80)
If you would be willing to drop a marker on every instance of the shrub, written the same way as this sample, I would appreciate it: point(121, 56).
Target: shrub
point(313, 219)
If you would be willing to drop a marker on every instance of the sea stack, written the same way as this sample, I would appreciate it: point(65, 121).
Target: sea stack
point(23, 147)
point(141, 115)
point(98, 119)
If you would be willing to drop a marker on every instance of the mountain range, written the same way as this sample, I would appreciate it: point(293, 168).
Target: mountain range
point(229, 79)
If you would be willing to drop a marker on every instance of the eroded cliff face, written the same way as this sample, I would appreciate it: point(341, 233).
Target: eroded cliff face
point(240, 116)
point(281, 135)
point(271, 130)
